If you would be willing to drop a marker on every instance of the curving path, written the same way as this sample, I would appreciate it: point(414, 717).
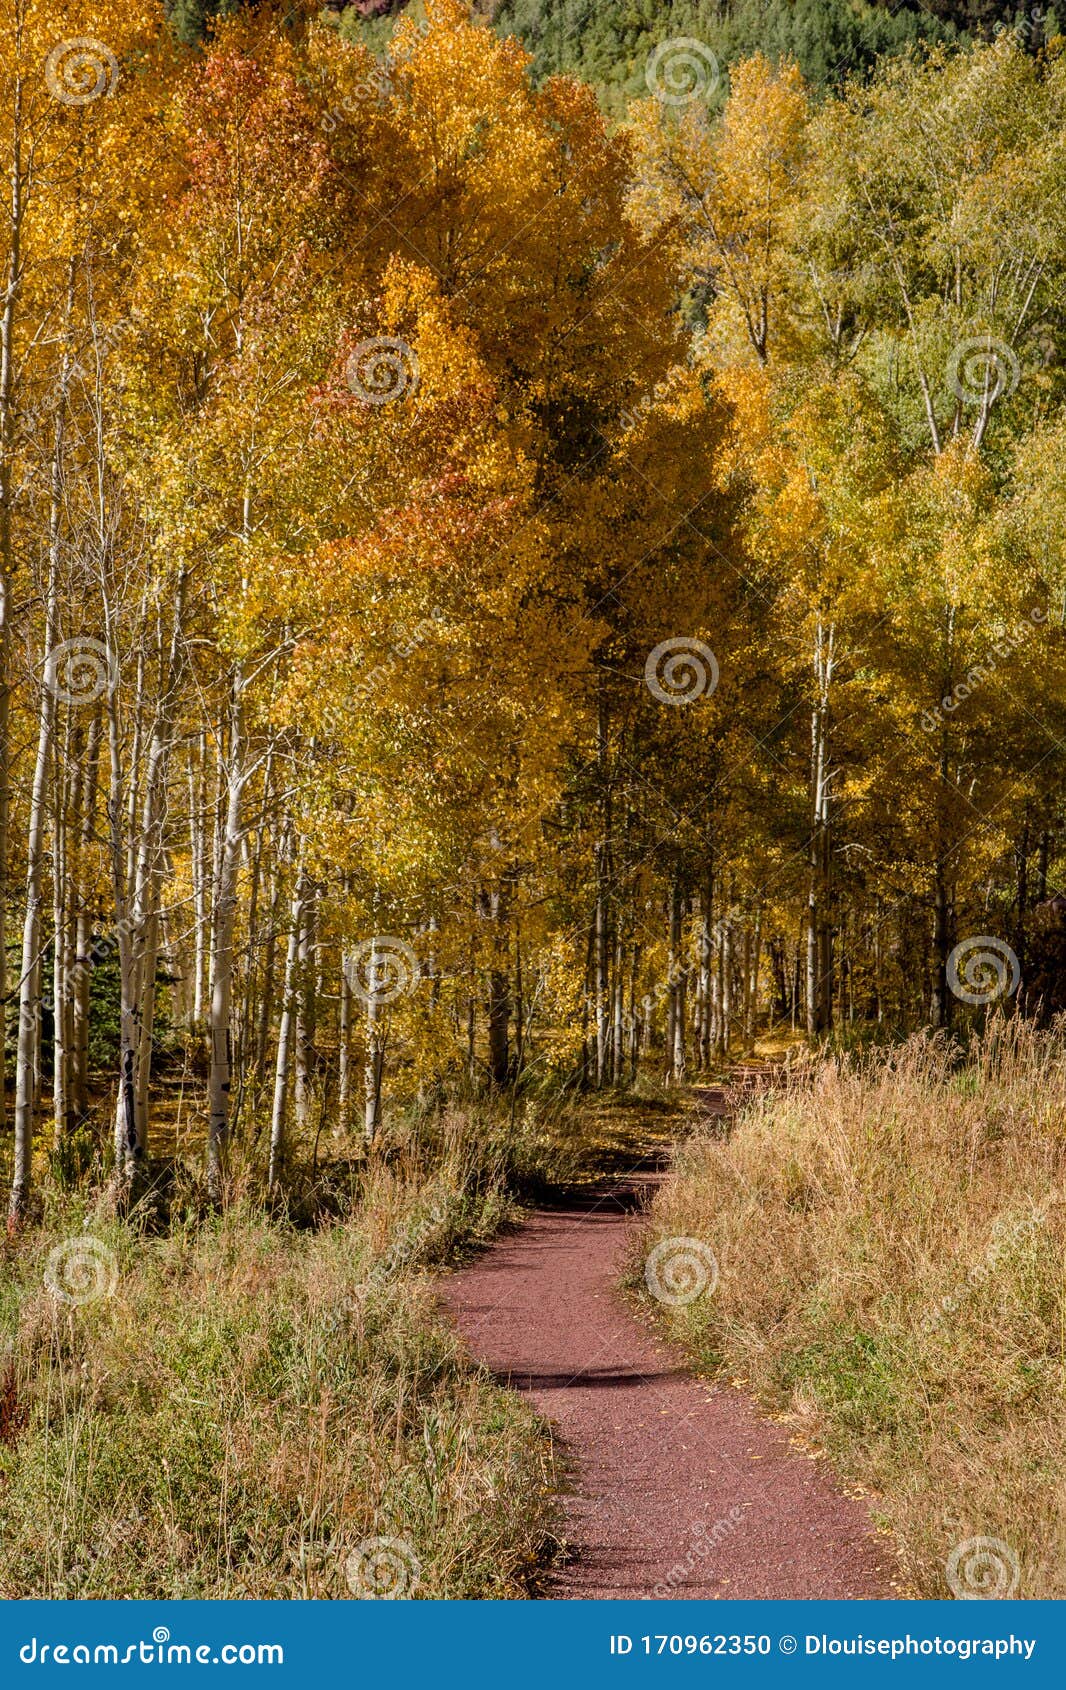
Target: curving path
point(679, 1488)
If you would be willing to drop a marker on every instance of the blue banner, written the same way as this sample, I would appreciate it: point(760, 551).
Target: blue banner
point(542, 1645)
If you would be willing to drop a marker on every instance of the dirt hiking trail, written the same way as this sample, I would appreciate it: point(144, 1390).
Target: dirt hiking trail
point(677, 1487)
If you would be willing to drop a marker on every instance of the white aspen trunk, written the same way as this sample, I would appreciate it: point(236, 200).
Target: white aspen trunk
point(61, 940)
point(219, 1075)
point(634, 1031)
point(372, 1072)
point(819, 939)
point(601, 967)
point(618, 1032)
point(27, 1050)
point(132, 785)
point(82, 967)
point(305, 985)
point(725, 963)
point(219, 810)
point(197, 853)
point(257, 987)
point(753, 954)
point(706, 962)
point(675, 1016)
point(374, 1063)
point(290, 995)
point(680, 1062)
point(29, 1001)
point(127, 1145)
point(344, 1054)
point(9, 405)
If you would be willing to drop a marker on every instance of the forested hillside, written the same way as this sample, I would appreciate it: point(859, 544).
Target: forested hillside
point(607, 42)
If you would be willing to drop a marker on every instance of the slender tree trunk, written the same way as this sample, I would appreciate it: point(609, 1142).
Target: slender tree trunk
point(819, 940)
point(65, 813)
point(725, 965)
point(83, 943)
point(9, 402)
point(675, 1017)
point(198, 855)
point(305, 1011)
point(344, 1051)
point(751, 1010)
point(290, 994)
point(634, 1026)
point(374, 1064)
point(601, 967)
point(219, 1073)
point(29, 1027)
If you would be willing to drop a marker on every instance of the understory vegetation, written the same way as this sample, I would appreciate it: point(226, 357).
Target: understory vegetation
point(240, 1407)
point(891, 1242)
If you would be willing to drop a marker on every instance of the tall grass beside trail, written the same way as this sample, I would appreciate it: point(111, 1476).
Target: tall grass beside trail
point(891, 1246)
point(240, 1408)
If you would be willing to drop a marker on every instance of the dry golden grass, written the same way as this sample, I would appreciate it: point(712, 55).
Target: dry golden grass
point(243, 1405)
point(891, 1246)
